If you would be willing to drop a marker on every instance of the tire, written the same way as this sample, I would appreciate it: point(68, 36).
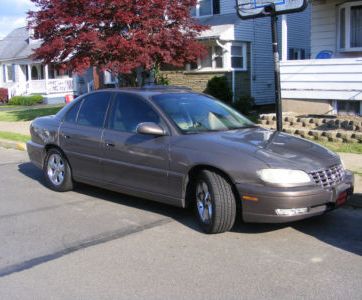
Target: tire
point(214, 196)
point(57, 172)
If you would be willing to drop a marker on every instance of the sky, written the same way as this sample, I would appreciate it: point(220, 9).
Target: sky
point(13, 15)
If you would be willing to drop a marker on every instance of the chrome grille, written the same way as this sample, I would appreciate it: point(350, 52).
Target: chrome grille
point(328, 177)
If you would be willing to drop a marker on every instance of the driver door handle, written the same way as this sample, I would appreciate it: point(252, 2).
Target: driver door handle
point(110, 144)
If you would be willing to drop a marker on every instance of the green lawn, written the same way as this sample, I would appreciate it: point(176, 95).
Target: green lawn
point(342, 147)
point(17, 137)
point(28, 113)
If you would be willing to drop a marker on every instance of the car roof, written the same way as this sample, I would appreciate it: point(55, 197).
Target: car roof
point(151, 90)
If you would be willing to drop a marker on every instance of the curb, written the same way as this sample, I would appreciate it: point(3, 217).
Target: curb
point(12, 145)
point(355, 201)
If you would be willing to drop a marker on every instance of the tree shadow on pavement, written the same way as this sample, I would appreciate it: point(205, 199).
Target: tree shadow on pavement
point(340, 228)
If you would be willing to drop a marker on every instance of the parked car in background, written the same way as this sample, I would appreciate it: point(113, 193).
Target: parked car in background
point(183, 148)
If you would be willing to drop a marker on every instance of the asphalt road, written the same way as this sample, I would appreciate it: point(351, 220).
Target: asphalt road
point(95, 244)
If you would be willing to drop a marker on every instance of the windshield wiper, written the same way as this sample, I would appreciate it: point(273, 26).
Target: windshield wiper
point(244, 127)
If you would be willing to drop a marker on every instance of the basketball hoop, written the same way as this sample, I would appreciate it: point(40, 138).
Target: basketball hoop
point(249, 9)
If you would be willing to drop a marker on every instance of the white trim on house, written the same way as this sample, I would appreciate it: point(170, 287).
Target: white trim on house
point(324, 79)
point(197, 10)
point(347, 6)
point(226, 58)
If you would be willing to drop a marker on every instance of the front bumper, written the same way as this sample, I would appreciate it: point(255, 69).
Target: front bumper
point(36, 153)
point(316, 199)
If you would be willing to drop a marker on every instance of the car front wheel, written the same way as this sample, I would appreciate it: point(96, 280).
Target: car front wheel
point(57, 171)
point(215, 202)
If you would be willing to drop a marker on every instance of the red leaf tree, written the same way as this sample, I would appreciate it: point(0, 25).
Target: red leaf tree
point(116, 35)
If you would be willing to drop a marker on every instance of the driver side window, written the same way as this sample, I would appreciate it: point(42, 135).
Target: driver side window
point(129, 111)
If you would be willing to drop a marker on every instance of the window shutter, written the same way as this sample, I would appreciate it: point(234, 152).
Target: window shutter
point(302, 54)
point(4, 73)
point(291, 52)
point(216, 7)
point(14, 70)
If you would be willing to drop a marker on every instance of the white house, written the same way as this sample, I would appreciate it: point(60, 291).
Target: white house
point(332, 85)
point(21, 75)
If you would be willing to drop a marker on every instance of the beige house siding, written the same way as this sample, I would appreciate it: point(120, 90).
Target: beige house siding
point(197, 81)
point(324, 28)
point(194, 80)
point(307, 106)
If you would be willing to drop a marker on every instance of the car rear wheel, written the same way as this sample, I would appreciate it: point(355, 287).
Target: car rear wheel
point(57, 171)
point(215, 202)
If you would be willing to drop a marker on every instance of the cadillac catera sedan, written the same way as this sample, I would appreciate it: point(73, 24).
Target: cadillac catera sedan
point(187, 149)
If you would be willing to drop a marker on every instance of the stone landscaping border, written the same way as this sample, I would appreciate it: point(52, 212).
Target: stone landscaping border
point(321, 129)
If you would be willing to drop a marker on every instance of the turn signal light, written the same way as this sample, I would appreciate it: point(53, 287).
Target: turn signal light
point(250, 198)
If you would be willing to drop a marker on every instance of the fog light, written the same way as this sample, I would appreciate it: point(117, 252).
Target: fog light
point(291, 211)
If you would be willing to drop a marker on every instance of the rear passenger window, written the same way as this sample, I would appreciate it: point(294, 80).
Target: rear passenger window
point(71, 115)
point(93, 109)
point(129, 111)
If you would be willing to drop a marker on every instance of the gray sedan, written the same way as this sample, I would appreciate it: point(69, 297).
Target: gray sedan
point(187, 149)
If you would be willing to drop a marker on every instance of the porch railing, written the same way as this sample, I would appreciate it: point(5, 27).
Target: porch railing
point(46, 87)
point(51, 86)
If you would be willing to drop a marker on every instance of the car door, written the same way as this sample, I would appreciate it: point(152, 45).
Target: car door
point(80, 135)
point(133, 160)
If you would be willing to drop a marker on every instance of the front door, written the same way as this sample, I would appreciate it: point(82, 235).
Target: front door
point(80, 135)
point(132, 160)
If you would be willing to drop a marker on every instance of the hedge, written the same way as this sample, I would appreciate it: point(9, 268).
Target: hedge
point(26, 100)
point(218, 87)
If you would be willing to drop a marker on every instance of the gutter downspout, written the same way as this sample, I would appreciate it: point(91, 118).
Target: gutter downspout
point(232, 72)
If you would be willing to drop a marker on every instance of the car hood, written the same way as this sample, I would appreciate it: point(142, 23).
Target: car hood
point(276, 149)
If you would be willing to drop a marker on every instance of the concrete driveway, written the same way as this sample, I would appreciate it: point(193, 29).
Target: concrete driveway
point(95, 244)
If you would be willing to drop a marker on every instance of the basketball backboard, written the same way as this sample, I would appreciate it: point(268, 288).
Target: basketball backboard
point(248, 9)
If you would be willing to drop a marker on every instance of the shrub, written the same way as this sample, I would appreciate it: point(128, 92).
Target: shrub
point(244, 104)
point(160, 78)
point(26, 100)
point(3, 95)
point(218, 87)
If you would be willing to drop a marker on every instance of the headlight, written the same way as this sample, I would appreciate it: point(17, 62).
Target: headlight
point(342, 163)
point(284, 176)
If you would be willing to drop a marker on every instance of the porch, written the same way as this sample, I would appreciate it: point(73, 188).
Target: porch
point(25, 79)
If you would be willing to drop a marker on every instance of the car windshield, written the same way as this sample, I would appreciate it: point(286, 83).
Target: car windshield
point(194, 113)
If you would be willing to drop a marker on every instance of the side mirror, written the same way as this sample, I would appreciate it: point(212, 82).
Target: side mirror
point(150, 128)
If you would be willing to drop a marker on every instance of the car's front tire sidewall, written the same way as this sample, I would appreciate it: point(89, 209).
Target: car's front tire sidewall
point(222, 200)
point(67, 182)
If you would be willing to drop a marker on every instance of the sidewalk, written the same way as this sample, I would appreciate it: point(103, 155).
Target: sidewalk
point(16, 127)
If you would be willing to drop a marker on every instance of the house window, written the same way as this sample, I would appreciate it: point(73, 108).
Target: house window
point(218, 57)
point(206, 62)
point(230, 56)
point(213, 60)
point(9, 73)
point(237, 56)
point(348, 107)
point(296, 54)
point(350, 26)
point(206, 8)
